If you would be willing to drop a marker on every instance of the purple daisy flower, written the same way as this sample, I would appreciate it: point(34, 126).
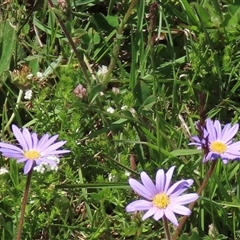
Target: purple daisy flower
point(160, 199)
point(32, 151)
point(218, 141)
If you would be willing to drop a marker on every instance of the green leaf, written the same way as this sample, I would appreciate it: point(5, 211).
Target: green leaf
point(183, 152)
point(112, 20)
point(8, 45)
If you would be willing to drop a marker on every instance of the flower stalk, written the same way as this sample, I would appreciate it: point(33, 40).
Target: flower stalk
point(166, 228)
point(24, 203)
point(191, 205)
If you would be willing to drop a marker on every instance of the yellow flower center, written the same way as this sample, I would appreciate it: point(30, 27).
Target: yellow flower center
point(161, 200)
point(32, 154)
point(218, 147)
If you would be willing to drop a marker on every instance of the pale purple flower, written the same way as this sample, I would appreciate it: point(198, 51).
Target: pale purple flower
point(218, 141)
point(161, 199)
point(32, 151)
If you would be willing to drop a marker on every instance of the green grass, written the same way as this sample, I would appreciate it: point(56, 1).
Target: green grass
point(174, 62)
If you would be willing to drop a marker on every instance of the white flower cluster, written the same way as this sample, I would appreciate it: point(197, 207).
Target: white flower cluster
point(46, 167)
point(3, 170)
point(111, 110)
point(28, 94)
point(102, 71)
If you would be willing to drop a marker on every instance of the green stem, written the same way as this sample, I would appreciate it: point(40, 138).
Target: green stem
point(116, 48)
point(24, 203)
point(16, 107)
point(71, 42)
point(166, 228)
point(191, 206)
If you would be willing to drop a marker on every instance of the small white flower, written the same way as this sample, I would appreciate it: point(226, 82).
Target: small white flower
point(101, 93)
point(28, 94)
point(54, 158)
point(40, 168)
point(124, 107)
point(3, 170)
point(115, 90)
point(111, 110)
point(29, 76)
point(43, 167)
point(102, 71)
point(39, 75)
point(112, 178)
point(127, 173)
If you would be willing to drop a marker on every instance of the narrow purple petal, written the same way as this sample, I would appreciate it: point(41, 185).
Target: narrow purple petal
point(19, 136)
point(20, 160)
point(139, 205)
point(160, 180)
point(45, 160)
point(231, 133)
point(148, 183)
point(150, 212)
point(218, 129)
point(140, 189)
point(195, 144)
point(57, 152)
point(53, 147)
point(178, 188)
point(231, 154)
point(158, 214)
point(225, 130)
point(28, 166)
point(34, 140)
point(10, 146)
point(196, 139)
point(179, 209)
point(185, 199)
point(208, 157)
point(211, 130)
point(12, 154)
point(47, 143)
point(171, 216)
point(43, 140)
point(234, 146)
point(168, 178)
point(28, 138)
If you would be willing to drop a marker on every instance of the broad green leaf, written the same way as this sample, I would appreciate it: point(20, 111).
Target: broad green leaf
point(8, 46)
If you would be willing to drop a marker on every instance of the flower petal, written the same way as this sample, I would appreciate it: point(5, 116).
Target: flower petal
point(42, 141)
point(28, 138)
point(28, 166)
point(211, 130)
point(148, 183)
point(150, 212)
point(185, 199)
point(34, 140)
point(48, 143)
point(53, 147)
point(10, 146)
point(218, 129)
point(230, 133)
point(139, 205)
point(179, 209)
point(158, 214)
point(140, 189)
point(57, 152)
point(19, 136)
point(160, 180)
point(168, 178)
point(171, 216)
point(20, 160)
point(179, 187)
